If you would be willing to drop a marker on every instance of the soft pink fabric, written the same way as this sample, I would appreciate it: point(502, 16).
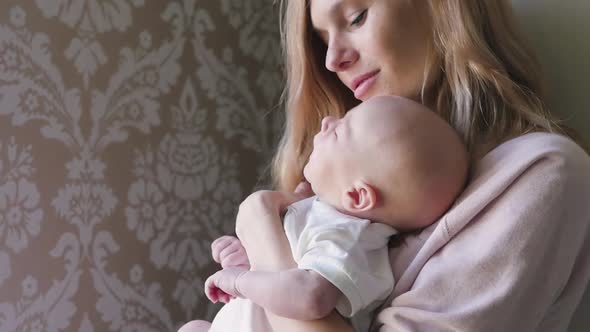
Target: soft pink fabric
point(513, 254)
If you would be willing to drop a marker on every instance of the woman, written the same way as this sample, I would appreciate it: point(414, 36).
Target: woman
point(509, 255)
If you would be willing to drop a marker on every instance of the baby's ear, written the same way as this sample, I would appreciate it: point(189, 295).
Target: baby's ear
point(361, 197)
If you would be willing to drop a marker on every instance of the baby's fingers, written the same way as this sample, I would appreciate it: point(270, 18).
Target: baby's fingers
point(224, 297)
point(211, 291)
point(236, 258)
point(233, 247)
point(219, 245)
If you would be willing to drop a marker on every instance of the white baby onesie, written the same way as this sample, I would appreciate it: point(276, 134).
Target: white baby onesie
point(348, 251)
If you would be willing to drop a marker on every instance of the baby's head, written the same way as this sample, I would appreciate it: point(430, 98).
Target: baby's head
point(390, 160)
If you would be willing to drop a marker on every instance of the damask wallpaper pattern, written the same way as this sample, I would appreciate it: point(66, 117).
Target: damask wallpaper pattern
point(130, 130)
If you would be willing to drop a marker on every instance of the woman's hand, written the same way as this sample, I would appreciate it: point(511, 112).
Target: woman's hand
point(229, 252)
point(304, 189)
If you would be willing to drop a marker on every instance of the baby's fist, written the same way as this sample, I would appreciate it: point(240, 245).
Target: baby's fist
point(222, 285)
point(229, 252)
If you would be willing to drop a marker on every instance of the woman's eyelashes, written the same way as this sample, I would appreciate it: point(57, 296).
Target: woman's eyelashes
point(359, 19)
point(356, 22)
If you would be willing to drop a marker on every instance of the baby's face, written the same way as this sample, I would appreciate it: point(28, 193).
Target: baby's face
point(403, 154)
point(344, 149)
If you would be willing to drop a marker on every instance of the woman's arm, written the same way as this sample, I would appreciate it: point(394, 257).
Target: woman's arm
point(260, 229)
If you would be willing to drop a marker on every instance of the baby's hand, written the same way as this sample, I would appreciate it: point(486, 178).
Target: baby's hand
point(229, 252)
point(222, 285)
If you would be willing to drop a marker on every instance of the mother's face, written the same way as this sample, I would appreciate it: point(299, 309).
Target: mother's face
point(375, 47)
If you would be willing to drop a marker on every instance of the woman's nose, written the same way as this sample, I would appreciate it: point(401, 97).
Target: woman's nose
point(340, 58)
point(326, 122)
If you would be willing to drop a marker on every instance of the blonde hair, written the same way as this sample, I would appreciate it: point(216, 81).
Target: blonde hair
point(479, 74)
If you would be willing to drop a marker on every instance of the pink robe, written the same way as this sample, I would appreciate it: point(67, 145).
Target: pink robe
point(513, 254)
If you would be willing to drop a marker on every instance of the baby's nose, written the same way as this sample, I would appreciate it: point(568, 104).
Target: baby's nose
point(326, 123)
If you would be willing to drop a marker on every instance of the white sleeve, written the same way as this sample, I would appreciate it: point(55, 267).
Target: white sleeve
point(336, 253)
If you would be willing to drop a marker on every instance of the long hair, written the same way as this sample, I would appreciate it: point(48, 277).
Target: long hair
point(482, 79)
point(310, 93)
point(488, 83)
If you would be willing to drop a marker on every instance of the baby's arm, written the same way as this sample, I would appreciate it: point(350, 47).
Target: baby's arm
point(295, 293)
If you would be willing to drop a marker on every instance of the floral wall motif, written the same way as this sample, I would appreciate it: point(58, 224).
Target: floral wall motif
point(130, 130)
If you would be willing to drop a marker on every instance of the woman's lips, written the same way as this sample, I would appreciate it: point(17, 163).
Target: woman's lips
point(364, 83)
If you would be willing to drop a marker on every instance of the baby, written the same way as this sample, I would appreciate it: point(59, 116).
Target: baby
point(389, 165)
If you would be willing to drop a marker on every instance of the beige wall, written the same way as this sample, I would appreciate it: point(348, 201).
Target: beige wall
point(129, 132)
point(560, 32)
point(131, 129)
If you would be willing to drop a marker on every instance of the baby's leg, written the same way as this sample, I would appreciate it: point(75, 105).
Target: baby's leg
point(195, 326)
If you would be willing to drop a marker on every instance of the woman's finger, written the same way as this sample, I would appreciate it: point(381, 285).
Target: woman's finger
point(286, 198)
point(304, 189)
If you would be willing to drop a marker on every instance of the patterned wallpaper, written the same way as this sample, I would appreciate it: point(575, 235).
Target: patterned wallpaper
point(129, 132)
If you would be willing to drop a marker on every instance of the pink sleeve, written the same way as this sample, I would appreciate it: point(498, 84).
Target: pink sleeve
point(521, 264)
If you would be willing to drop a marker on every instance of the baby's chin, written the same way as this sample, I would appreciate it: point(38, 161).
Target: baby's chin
point(327, 197)
point(306, 179)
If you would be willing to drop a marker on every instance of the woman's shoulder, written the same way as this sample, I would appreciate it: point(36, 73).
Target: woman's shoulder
point(531, 167)
point(535, 181)
point(528, 180)
point(525, 200)
point(543, 158)
point(526, 150)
